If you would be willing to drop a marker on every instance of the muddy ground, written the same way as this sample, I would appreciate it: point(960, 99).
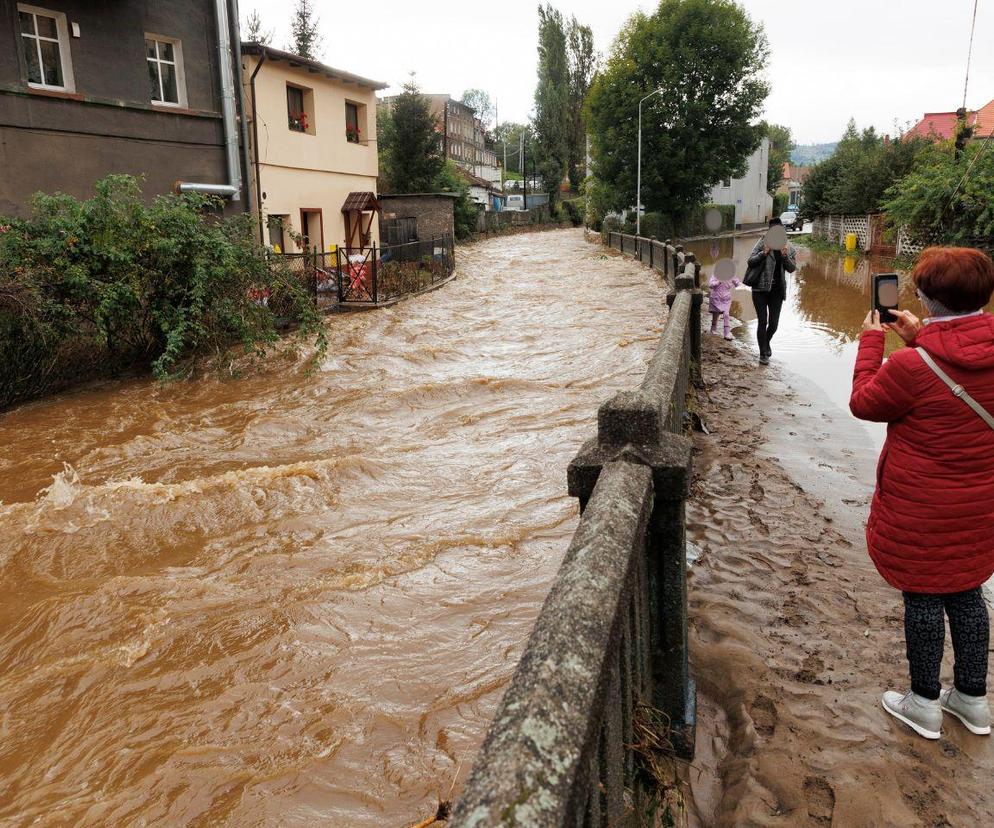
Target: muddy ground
point(794, 636)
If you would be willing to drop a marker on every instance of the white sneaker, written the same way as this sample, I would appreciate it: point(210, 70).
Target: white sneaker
point(973, 711)
point(924, 716)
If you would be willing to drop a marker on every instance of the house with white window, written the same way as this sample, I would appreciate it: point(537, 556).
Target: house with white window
point(149, 89)
point(748, 194)
point(312, 133)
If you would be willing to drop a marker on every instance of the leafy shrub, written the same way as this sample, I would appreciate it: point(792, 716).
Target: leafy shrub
point(113, 281)
point(610, 224)
point(854, 180)
point(924, 200)
point(466, 212)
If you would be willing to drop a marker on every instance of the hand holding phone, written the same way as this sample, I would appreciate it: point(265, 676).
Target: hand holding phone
point(885, 294)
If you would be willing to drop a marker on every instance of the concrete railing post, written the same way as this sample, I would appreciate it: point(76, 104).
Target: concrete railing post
point(635, 427)
point(688, 281)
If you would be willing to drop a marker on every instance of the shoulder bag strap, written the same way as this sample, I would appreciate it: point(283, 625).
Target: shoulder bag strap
point(956, 388)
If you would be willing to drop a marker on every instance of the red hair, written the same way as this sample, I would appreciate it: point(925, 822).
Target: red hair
point(961, 278)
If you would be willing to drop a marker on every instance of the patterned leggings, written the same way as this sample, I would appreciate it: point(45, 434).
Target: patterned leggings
point(925, 635)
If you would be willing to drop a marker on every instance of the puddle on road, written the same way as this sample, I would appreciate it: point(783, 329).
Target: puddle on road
point(827, 300)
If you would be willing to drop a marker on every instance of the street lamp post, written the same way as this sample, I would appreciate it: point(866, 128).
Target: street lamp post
point(638, 195)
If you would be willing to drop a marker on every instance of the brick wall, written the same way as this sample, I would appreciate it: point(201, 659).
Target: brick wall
point(434, 213)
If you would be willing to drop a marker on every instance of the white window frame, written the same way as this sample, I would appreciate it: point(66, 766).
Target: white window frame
point(62, 27)
point(177, 62)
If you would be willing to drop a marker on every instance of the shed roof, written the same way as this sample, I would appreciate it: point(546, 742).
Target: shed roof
point(313, 66)
point(361, 202)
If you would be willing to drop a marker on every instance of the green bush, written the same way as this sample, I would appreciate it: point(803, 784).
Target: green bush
point(94, 285)
point(855, 179)
point(780, 203)
point(924, 200)
point(610, 224)
point(466, 212)
point(573, 210)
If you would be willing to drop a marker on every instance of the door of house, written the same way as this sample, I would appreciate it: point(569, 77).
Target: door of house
point(402, 230)
point(312, 229)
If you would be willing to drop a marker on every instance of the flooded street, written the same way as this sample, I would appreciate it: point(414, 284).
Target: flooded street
point(822, 318)
point(296, 599)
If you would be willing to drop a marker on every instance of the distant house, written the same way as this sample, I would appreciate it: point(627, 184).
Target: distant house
point(941, 126)
point(89, 89)
point(314, 160)
point(792, 184)
point(753, 204)
point(485, 194)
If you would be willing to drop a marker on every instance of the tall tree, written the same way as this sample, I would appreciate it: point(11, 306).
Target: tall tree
point(304, 28)
point(410, 143)
point(707, 57)
point(781, 146)
point(552, 116)
point(582, 62)
point(479, 100)
point(254, 33)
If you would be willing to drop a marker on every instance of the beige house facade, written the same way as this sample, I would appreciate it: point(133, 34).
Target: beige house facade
point(312, 132)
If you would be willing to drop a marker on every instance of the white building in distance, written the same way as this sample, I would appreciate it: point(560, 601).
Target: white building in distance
point(753, 204)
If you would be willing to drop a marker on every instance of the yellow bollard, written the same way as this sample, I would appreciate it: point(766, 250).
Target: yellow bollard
point(850, 264)
point(851, 242)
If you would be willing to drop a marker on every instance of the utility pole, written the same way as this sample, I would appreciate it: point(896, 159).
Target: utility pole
point(638, 195)
point(524, 168)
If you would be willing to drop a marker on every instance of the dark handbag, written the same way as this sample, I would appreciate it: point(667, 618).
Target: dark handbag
point(754, 274)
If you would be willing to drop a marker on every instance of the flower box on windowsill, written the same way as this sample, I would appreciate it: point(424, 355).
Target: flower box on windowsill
point(297, 121)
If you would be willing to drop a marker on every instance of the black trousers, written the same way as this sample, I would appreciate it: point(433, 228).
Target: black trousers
point(925, 636)
point(768, 305)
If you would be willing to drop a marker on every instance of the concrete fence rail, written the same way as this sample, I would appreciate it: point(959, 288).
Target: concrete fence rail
point(611, 639)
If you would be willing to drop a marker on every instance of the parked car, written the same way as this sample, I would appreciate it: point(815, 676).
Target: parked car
point(792, 220)
point(515, 202)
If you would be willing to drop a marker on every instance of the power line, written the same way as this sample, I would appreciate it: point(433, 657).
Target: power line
point(969, 54)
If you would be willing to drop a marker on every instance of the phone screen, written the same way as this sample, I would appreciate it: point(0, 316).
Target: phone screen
point(885, 295)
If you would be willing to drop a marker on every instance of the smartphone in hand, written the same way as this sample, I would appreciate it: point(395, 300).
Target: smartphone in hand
point(884, 294)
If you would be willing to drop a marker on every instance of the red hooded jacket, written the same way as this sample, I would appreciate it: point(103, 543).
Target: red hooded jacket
point(931, 526)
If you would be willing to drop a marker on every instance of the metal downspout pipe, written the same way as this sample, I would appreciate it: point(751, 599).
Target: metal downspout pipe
point(255, 142)
point(233, 189)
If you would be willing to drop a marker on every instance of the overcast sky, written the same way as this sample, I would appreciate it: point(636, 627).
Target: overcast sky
point(875, 60)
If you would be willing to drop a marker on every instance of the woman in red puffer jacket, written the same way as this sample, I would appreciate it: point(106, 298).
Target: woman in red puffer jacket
point(931, 526)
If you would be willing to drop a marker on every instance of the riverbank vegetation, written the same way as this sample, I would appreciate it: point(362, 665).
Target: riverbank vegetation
point(93, 287)
point(855, 179)
point(941, 191)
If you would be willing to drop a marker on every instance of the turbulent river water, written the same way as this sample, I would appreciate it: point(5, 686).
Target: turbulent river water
point(295, 599)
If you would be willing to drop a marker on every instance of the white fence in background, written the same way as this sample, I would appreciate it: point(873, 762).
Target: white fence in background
point(869, 234)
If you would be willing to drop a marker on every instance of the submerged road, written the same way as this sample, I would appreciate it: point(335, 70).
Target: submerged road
point(291, 598)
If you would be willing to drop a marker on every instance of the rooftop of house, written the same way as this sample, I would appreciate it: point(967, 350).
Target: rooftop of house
point(985, 121)
point(942, 125)
point(475, 181)
point(313, 66)
point(795, 172)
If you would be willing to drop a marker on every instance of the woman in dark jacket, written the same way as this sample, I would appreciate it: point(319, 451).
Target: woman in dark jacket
point(931, 526)
point(771, 289)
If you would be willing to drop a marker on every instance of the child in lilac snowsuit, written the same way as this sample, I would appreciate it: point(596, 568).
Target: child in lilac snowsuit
point(721, 301)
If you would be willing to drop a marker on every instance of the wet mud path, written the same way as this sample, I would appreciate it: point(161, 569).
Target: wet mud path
point(794, 636)
point(295, 600)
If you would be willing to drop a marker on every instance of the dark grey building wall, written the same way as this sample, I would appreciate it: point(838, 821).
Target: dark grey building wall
point(435, 213)
point(66, 142)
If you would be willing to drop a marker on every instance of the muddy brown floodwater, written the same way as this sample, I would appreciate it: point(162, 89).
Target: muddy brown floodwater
point(295, 599)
